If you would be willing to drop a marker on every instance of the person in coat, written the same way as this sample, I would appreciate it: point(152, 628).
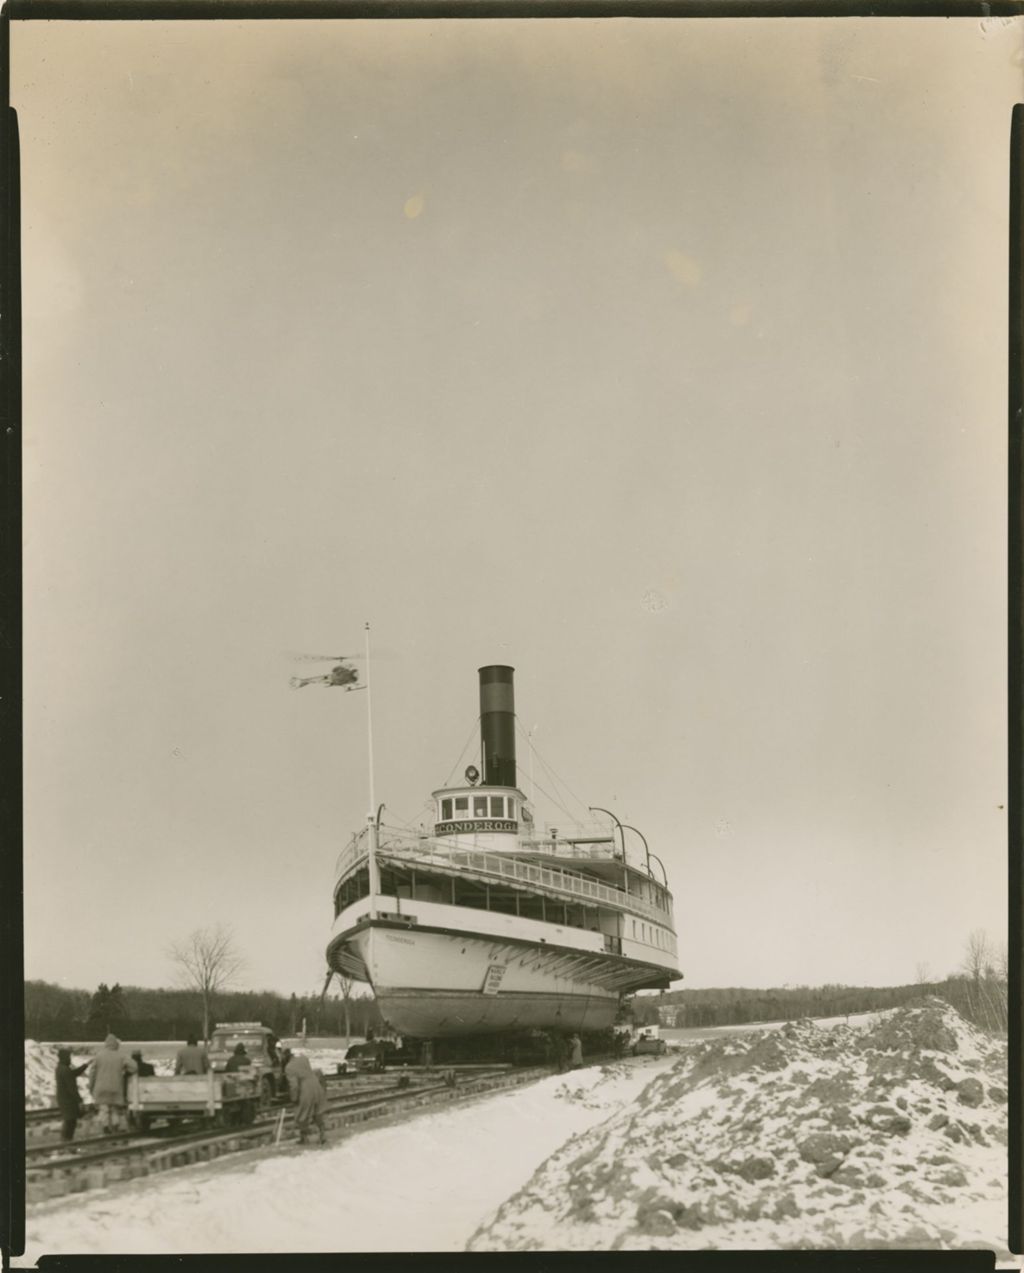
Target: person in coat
point(107, 1073)
point(143, 1068)
point(561, 1053)
point(69, 1102)
point(575, 1052)
point(239, 1060)
point(191, 1059)
point(307, 1092)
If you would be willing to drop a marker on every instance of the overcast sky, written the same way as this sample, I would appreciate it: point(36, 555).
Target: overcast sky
point(664, 361)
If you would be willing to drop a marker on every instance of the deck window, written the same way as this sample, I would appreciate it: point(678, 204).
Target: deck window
point(446, 810)
point(511, 807)
point(497, 806)
point(479, 806)
point(462, 806)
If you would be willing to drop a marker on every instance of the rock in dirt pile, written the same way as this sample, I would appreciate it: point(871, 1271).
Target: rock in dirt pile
point(891, 1136)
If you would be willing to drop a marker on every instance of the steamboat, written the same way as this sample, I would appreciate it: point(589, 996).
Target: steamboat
point(486, 925)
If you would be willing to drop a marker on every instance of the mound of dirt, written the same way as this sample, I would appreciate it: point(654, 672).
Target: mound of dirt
point(891, 1136)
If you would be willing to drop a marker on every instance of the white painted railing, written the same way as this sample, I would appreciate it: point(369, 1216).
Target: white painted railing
point(428, 852)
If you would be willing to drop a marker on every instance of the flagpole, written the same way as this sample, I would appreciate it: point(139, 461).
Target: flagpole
point(369, 718)
point(371, 817)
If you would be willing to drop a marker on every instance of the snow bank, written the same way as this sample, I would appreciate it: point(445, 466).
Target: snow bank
point(890, 1136)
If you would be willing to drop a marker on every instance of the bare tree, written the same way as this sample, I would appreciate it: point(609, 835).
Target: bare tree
point(922, 975)
point(986, 999)
point(208, 963)
point(977, 955)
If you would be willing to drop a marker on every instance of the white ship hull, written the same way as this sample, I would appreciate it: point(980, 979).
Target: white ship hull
point(436, 984)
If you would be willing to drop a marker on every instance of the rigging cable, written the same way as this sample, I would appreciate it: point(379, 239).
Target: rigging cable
point(559, 782)
point(447, 781)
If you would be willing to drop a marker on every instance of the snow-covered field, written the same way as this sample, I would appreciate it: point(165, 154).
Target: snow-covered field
point(892, 1134)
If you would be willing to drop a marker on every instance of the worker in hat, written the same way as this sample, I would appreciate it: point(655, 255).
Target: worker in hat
point(69, 1101)
point(307, 1091)
point(238, 1060)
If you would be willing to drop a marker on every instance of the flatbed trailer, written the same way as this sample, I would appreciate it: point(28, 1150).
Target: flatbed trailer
point(220, 1100)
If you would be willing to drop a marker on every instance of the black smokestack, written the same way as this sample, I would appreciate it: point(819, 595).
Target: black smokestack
point(498, 726)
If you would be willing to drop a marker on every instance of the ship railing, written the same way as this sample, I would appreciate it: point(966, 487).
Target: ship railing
point(422, 849)
point(357, 848)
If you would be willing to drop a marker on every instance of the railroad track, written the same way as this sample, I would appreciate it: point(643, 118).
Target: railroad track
point(52, 1173)
point(46, 1140)
point(42, 1126)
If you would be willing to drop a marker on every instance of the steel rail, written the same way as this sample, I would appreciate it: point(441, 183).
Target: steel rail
point(371, 1086)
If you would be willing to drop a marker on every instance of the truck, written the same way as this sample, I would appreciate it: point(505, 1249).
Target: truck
point(375, 1055)
point(260, 1044)
point(221, 1100)
point(649, 1043)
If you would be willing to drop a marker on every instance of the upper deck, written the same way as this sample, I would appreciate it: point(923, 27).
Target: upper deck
point(584, 870)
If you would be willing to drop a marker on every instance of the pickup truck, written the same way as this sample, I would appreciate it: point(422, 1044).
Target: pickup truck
point(264, 1059)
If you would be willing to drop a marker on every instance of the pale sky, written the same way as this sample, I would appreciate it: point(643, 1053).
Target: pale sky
point(664, 361)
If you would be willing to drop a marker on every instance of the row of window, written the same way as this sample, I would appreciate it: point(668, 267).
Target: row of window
point(651, 935)
point(483, 807)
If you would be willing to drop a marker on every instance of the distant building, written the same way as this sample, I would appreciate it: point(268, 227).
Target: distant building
point(672, 1015)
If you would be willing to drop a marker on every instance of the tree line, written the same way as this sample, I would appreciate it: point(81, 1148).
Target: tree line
point(56, 1014)
point(977, 990)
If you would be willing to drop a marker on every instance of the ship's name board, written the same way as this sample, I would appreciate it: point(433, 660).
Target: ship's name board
point(493, 979)
point(471, 825)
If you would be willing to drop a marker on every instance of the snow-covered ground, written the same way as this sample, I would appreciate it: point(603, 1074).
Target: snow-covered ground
point(892, 1134)
point(420, 1185)
point(685, 1035)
